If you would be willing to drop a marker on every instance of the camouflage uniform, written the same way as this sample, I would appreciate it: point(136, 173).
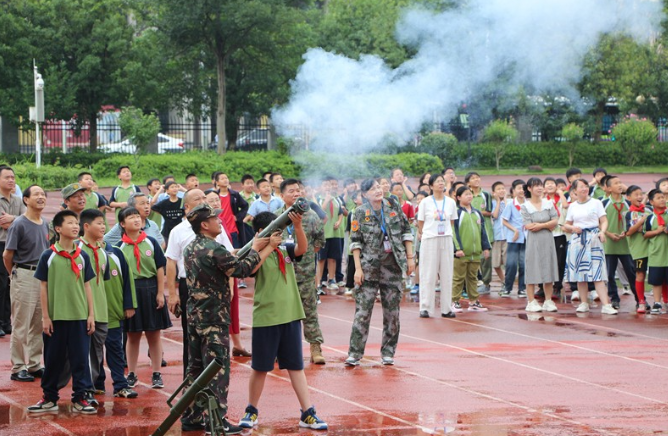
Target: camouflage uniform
point(208, 266)
point(381, 271)
point(305, 272)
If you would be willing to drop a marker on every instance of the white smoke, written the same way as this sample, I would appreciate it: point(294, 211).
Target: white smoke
point(353, 105)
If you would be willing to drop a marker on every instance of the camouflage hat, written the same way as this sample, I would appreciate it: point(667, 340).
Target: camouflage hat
point(202, 212)
point(71, 189)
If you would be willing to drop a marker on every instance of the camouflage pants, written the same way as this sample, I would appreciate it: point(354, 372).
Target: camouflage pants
point(390, 297)
point(307, 292)
point(205, 345)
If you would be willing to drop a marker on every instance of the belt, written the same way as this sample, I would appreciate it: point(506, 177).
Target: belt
point(26, 266)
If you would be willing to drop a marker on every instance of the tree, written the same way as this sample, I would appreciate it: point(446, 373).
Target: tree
point(572, 134)
point(635, 135)
point(141, 129)
point(227, 28)
point(499, 133)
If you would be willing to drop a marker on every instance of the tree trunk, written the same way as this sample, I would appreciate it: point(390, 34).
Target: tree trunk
point(92, 132)
point(222, 97)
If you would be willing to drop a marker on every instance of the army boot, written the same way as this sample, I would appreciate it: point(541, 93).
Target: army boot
point(316, 355)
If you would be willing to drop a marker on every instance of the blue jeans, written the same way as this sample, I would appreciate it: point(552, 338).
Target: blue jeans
point(514, 260)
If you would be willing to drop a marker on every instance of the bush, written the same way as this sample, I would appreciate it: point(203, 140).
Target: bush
point(48, 176)
point(499, 133)
point(635, 136)
point(438, 144)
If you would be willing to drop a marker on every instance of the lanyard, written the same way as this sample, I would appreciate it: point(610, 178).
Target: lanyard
point(381, 219)
point(441, 213)
point(290, 229)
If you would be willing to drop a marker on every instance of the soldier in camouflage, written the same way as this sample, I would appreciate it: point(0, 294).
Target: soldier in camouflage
point(305, 270)
point(380, 238)
point(208, 267)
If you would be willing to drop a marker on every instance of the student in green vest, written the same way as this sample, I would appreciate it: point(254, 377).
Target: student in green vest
point(656, 231)
point(634, 220)
point(121, 193)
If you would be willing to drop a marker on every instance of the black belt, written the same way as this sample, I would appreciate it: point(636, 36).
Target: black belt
point(26, 266)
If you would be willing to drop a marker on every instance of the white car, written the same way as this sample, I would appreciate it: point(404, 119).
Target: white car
point(166, 144)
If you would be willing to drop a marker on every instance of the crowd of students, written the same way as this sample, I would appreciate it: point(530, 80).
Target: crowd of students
point(547, 236)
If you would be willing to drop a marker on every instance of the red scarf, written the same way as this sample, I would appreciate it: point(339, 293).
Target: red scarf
point(619, 210)
point(71, 257)
point(555, 199)
point(659, 216)
point(97, 258)
point(516, 204)
point(640, 208)
point(136, 243)
point(281, 261)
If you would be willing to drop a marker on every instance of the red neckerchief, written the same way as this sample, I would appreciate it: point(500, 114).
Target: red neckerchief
point(71, 257)
point(640, 208)
point(619, 210)
point(136, 243)
point(555, 199)
point(659, 216)
point(97, 258)
point(516, 204)
point(281, 261)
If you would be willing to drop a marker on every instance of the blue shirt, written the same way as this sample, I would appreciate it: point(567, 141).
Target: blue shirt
point(514, 218)
point(499, 233)
point(259, 205)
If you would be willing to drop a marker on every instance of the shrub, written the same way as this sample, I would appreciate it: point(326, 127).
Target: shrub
point(635, 136)
point(47, 176)
point(499, 133)
point(572, 135)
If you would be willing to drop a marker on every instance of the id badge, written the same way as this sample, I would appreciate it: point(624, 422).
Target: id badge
point(441, 229)
point(386, 245)
point(290, 240)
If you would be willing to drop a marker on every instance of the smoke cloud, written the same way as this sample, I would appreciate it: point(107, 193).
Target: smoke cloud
point(352, 106)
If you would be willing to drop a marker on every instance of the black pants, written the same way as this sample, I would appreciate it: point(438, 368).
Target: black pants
point(350, 272)
point(630, 270)
point(68, 342)
point(183, 296)
point(561, 245)
point(5, 303)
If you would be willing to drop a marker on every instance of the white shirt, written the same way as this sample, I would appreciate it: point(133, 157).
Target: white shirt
point(180, 237)
point(429, 211)
point(585, 215)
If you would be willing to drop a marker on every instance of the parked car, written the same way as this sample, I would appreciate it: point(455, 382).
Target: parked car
point(166, 144)
point(253, 138)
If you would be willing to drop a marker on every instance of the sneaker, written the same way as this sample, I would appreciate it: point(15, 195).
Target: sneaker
point(549, 306)
point(483, 289)
point(465, 295)
point(583, 307)
point(43, 406)
point(341, 284)
point(321, 291)
point(415, 290)
point(88, 396)
point(424, 314)
point(594, 296)
point(348, 293)
point(575, 296)
point(448, 315)
point(332, 285)
point(608, 309)
point(505, 294)
point(228, 428)
point(615, 304)
point(540, 294)
point(156, 381)
point(82, 406)
point(387, 360)
point(125, 393)
point(640, 307)
point(99, 391)
point(132, 380)
point(627, 291)
point(352, 361)
point(457, 307)
point(310, 420)
point(476, 306)
point(522, 294)
point(317, 299)
point(242, 284)
point(250, 418)
point(533, 306)
point(656, 309)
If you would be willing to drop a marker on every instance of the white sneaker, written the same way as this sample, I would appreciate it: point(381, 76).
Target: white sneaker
point(348, 292)
point(575, 296)
point(607, 309)
point(549, 306)
point(533, 306)
point(342, 284)
point(583, 307)
point(594, 296)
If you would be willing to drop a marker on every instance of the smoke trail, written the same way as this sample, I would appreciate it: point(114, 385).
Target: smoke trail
point(352, 105)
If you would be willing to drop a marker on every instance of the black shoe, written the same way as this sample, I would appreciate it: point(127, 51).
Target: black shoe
point(163, 363)
point(7, 328)
point(38, 374)
point(540, 294)
point(88, 396)
point(230, 428)
point(448, 315)
point(424, 314)
point(192, 426)
point(22, 376)
point(2, 333)
point(615, 304)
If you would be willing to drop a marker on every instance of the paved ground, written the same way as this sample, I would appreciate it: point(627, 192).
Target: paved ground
point(497, 373)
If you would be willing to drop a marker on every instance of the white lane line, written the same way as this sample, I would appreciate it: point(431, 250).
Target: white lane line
point(51, 423)
point(501, 359)
point(552, 341)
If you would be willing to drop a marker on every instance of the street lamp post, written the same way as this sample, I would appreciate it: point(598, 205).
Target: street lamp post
point(39, 113)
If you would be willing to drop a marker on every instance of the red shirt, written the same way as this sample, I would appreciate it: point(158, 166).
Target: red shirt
point(408, 210)
point(228, 218)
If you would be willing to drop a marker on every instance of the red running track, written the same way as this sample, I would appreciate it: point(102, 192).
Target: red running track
point(497, 373)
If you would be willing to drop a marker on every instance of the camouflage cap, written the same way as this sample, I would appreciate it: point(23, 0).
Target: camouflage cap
point(202, 212)
point(71, 189)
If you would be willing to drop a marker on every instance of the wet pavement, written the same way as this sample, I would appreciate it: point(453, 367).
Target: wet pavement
point(504, 372)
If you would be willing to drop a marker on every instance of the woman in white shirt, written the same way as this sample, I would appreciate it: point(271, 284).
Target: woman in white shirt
point(586, 220)
point(437, 253)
